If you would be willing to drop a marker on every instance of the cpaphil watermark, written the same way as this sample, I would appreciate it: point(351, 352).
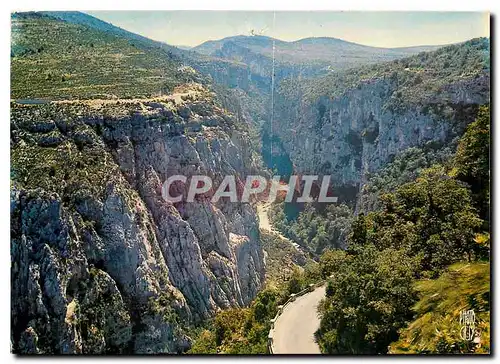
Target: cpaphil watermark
point(306, 188)
point(468, 330)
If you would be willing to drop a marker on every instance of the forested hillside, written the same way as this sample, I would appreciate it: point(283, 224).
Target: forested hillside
point(58, 60)
point(398, 279)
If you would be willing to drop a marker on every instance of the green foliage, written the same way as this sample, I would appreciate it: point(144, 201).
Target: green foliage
point(204, 343)
point(330, 289)
point(162, 306)
point(82, 171)
point(241, 330)
point(265, 305)
point(405, 167)
point(316, 229)
point(368, 301)
point(330, 261)
point(100, 315)
point(296, 283)
point(358, 232)
point(436, 328)
point(228, 323)
point(312, 273)
point(472, 160)
point(432, 218)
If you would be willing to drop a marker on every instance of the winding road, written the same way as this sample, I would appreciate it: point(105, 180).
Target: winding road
point(294, 329)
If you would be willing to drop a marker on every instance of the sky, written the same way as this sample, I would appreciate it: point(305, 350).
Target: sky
point(379, 29)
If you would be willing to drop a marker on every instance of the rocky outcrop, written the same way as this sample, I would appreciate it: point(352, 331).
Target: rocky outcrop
point(354, 134)
point(108, 265)
point(147, 154)
point(76, 287)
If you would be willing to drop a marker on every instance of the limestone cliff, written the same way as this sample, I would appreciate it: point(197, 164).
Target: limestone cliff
point(100, 262)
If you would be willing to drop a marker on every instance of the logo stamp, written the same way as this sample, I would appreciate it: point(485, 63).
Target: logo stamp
point(467, 325)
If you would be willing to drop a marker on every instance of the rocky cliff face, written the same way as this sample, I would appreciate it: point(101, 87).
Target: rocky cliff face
point(352, 133)
point(100, 262)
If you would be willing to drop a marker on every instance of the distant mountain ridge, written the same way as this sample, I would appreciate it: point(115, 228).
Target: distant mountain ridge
point(317, 50)
point(266, 40)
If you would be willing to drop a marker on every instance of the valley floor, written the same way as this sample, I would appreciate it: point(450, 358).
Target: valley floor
point(265, 224)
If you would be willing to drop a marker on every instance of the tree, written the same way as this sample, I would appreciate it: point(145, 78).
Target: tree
point(204, 343)
point(472, 160)
point(330, 261)
point(358, 230)
point(295, 283)
point(432, 218)
point(330, 290)
point(370, 299)
point(265, 305)
point(228, 324)
point(318, 229)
